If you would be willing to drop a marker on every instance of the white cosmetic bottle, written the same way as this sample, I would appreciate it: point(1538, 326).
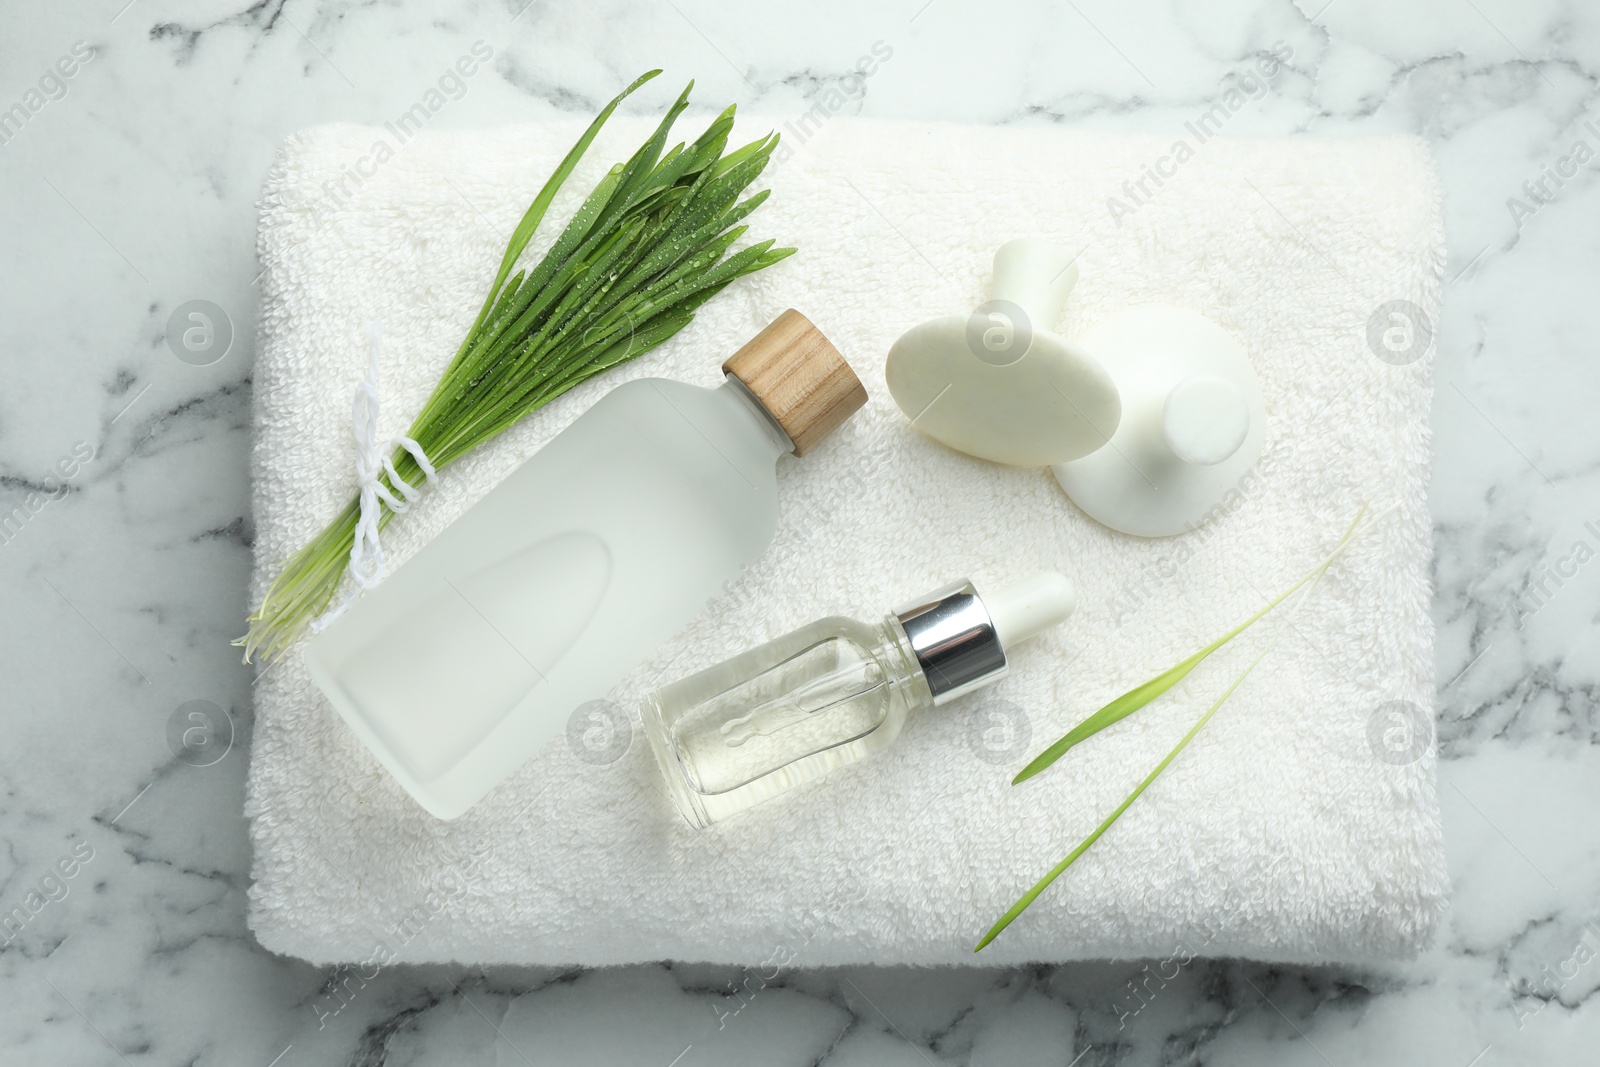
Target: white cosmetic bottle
point(577, 567)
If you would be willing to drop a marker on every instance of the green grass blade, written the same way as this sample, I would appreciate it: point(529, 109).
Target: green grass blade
point(1055, 872)
point(531, 219)
point(541, 203)
point(1118, 709)
point(651, 242)
point(762, 146)
point(1083, 846)
point(642, 167)
point(1143, 694)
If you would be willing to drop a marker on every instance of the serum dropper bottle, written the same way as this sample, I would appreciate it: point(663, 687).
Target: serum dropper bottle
point(834, 692)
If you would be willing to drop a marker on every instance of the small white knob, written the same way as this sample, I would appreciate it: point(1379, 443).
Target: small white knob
point(1204, 420)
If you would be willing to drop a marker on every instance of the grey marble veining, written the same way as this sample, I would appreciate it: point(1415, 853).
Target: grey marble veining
point(128, 188)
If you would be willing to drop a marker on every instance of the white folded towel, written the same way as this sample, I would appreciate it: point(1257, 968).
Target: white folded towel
point(1279, 834)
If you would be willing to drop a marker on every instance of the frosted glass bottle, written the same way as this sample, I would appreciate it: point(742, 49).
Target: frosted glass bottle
point(576, 567)
point(833, 693)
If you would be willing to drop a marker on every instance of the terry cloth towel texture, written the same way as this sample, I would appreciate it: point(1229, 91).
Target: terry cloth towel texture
point(1301, 825)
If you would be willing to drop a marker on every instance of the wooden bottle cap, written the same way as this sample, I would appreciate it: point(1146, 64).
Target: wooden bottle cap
point(800, 378)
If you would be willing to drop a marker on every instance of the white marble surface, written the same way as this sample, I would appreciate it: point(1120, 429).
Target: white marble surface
point(129, 189)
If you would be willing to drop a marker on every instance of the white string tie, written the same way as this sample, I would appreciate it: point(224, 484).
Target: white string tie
point(373, 461)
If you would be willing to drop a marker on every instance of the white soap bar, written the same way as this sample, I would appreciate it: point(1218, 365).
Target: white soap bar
point(1052, 405)
point(999, 384)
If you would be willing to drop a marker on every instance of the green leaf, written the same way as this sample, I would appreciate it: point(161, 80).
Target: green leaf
point(651, 242)
point(1314, 577)
point(541, 203)
point(1142, 694)
point(1083, 846)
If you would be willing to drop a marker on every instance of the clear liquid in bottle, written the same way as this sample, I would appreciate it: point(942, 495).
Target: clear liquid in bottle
point(832, 693)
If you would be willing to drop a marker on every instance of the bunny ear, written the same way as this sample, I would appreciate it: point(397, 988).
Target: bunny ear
point(996, 386)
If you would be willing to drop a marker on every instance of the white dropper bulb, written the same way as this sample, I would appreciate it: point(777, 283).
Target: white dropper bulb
point(1030, 607)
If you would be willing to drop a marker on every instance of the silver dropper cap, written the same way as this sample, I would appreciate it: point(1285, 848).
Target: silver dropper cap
point(960, 641)
point(954, 639)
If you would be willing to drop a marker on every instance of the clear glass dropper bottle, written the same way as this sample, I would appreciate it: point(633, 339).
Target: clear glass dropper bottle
point(834, 692)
